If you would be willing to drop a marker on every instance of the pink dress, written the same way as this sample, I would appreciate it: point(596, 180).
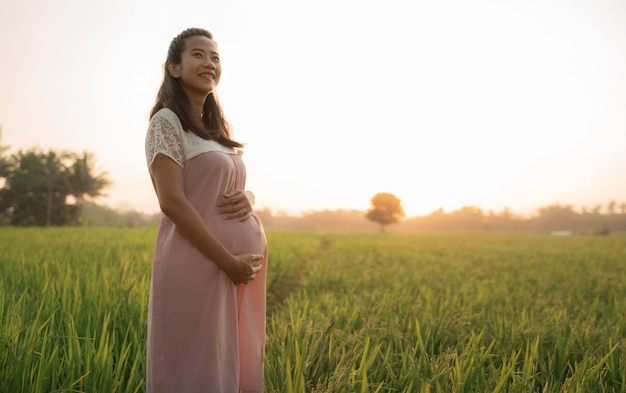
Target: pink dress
point(205, 335)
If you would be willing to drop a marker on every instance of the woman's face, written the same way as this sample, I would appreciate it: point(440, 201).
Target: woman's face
point(199, 70)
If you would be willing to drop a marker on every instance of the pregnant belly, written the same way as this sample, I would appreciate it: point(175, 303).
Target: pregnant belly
point(247, 237)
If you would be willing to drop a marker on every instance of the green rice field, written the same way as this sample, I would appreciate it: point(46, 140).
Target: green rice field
point(368, 312)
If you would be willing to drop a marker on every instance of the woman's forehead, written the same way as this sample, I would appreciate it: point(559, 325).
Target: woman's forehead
point(201, 42)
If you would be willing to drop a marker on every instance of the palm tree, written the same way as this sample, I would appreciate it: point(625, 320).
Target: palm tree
point(85, 183)
point(54, 174)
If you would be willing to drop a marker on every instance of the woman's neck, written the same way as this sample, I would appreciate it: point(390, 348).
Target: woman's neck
point(197, 106)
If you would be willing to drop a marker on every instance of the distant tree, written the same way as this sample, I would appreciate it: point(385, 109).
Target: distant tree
point(505, 220)
point(386, 209)
point(36, 189)
point(85, 182)
point(610, 207)
point(5, 160)
point(557, 217)
point(5, 168)
point(468, 218)
point(37, 186)
point(597, 210)
point(436, 220)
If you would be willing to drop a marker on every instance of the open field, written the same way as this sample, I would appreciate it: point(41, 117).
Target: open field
point(346, 312)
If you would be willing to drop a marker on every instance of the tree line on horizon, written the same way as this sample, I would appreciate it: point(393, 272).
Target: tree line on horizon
point(387, 212)
point(554, 218)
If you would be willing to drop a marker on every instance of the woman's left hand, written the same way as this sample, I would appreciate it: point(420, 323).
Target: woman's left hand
point(236, 205)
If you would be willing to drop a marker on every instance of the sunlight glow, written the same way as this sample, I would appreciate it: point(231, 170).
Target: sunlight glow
point(513, 104)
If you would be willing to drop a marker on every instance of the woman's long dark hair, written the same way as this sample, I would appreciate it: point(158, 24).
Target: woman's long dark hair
point(171, 95)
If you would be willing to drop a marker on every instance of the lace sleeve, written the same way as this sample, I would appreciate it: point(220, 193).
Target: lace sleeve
point(164, 137)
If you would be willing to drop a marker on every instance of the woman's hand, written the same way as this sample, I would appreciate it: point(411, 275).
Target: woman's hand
point(243, 268)
point(236, 205)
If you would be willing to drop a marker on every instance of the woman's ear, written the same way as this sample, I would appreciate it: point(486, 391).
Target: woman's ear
point(173, 70)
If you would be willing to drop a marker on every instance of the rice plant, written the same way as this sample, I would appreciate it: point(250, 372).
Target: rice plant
point(346, 312)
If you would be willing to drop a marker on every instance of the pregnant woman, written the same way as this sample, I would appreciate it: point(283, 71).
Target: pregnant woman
point(206, 322)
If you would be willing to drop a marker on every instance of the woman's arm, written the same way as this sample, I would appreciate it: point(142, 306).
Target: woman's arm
point(168, 181)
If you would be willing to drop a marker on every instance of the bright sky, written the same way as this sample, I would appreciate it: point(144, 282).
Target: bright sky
point(491, 103)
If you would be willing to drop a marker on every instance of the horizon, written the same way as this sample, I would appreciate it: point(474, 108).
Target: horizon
point(515, 105)
point(601, 208)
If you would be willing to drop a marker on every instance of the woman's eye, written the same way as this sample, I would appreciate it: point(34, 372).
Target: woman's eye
point(197, 54)
point(216, 59)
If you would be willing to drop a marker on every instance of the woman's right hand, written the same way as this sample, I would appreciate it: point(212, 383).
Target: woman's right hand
point(243, 268)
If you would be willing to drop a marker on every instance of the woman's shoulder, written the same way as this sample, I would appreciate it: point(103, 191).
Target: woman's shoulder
point(164, 136)
point(166, 114)
point(165, 121)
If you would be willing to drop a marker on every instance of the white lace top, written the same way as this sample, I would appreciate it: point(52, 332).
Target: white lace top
point(166, 136)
